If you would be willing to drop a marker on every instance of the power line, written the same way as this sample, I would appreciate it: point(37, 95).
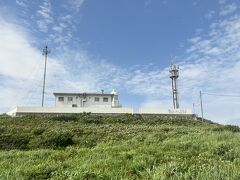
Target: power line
point(223, 95)
point(210, 94)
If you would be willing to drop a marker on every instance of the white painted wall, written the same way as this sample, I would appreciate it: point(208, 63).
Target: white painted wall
point(68, 110)
point(164, 111)
point(89, 101)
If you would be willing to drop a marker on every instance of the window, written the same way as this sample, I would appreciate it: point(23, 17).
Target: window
point(96, 99)
point(74, 105)
point(60, 99)
point(70, 99)
point(105, 99)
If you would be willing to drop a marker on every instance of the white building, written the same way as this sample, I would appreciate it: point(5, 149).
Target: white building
point(73, 103)
point(87, 100)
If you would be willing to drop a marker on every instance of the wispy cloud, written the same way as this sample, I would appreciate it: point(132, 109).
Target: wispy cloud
point(210, 14)
point(45, 16)
point(22, 3)
point(56, 26)
point(222, 1)
point(76, 4)
point(228, 9)
point(211, 66)
point(63, 30)
point(22, 65)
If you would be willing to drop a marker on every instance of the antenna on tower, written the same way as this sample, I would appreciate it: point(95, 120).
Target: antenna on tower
point(174, 74)
point(45, 53)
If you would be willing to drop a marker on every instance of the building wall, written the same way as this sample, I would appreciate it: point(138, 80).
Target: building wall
point(69, 110)
point(79, 101)
point(64, 110)
point(164, 111)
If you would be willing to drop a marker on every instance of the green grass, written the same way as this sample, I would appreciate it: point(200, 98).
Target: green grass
point(117, 147)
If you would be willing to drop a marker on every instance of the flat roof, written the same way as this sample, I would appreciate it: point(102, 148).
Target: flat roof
point(85, 93)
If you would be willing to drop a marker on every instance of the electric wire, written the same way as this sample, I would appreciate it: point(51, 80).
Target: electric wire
point(223, 95)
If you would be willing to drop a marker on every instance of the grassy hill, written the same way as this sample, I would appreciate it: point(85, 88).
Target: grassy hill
point(117, 147)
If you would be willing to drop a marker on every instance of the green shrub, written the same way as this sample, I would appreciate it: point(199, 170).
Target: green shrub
point(42, 171)
point(53, 139)
point(92, 119)
point(14, 141)
point(222, 150)
point(89, 176)
point(232, 128)
point(38, 131)
point(65, 118)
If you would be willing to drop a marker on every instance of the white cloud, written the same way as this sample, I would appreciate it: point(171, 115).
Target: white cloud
point(58, 29)
point(210, 14)
point(76, 4)
point(63, 28)
point(21, 67)
point(15, 52)
point(228, 9)
point(222, 1)
point(22, 3)
point(58, 26)
point(45, 15)
point(147, 3)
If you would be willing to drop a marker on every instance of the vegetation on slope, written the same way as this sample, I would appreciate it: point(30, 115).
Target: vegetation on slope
point(117, 147)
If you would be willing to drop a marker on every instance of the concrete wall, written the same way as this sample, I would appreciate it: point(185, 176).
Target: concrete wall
point(65, 110)
point(164, 111)
point(95, 110)
point(12, 112)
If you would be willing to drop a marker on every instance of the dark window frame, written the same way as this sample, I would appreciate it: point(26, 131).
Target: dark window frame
point(96, 99)
point(105, 99)
point(70, 99)
point(61, 99)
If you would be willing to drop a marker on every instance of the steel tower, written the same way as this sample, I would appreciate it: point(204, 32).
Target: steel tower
point(174, 74)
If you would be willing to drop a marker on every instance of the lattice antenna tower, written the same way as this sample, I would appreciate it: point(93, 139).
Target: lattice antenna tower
point(45, 53)
point(174, 74)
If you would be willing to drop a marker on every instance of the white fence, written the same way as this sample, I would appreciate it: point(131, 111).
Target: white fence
point(69, 110)
point(66, 110)
point(164, 111)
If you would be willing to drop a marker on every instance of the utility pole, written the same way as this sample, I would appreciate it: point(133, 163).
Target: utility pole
point(193, 108)
point(45, 54)
point(201, 104)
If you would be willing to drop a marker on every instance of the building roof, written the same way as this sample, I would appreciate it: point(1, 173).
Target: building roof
point(81, 94)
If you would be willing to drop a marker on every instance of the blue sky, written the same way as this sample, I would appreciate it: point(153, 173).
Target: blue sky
point(126, 45)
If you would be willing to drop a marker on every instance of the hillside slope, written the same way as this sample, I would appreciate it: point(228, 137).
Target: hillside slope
point(117, 147)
